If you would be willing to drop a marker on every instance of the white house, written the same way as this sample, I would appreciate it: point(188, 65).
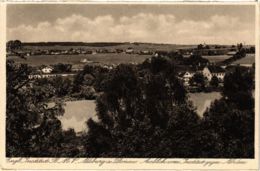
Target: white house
point(231, 53)
point(85, 61)
point(186, 76)
point(212, 70)
point(129, 50)
point(47, 70)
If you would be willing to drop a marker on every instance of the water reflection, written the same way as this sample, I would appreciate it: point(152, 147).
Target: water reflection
point(78, 112)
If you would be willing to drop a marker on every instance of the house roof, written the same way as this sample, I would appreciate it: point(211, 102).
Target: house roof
point(215, 69)
point(47, 67)
point(181, 74)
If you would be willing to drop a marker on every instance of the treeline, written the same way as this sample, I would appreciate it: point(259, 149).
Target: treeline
point(94, 44)
point(143, 111)
point(237, 56)
point(241, 53)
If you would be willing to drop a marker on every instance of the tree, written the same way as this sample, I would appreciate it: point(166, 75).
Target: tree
point(14, 45)
point(198, 80)
point(61, 68)
point(238, 86)
point(228, 125)
point(142, 117)
point(175, 56)
point(252, 49)
point(200, 46)
point(214, 82)
point(239, 46)
point(62, 86)
point(32, 128)
point(195, 60)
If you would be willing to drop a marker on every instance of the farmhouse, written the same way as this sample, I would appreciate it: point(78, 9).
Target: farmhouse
point(40, 76)
point(145, 52)
point(213, 70)
point(85, 61)
point(47, 70)
point(160, 53)
point(231, 53)
point(187, 76)
point(129, 50)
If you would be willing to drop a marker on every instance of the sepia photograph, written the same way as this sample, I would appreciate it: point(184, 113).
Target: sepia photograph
point(130, 81)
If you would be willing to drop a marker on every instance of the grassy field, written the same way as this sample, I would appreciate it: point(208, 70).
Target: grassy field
point(109, 58)
point(137, 47)
point(217, 58)
point(249, 59)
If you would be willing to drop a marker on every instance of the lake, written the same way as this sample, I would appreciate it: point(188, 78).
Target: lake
point(203, 100)
point(78, 112)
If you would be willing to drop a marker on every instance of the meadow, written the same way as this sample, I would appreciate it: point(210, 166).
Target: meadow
point(217, 58)
point(135, 46)
point(249, 59)
point(108, 58)
point(102, 58)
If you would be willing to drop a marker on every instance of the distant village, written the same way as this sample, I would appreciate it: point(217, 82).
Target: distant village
point(208, 70)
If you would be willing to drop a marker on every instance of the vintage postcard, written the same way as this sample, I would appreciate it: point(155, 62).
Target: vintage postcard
point(130, 86)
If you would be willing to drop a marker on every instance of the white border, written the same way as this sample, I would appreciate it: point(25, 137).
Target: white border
point(251, 163)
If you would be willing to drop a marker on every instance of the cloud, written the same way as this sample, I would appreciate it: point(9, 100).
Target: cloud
point(142, 27)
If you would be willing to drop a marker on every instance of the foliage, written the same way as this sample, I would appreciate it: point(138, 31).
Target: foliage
point(14, 45)
point(32, 128)
point(89, 81)
point(214, 82)
point(238, 86)
point(61, 68)
point(198, 80)
point(142, 117)
point(228, 126)
point(196, 60)
point(143, 111)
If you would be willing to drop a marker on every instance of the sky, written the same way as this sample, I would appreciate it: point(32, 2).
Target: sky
point(176, 24)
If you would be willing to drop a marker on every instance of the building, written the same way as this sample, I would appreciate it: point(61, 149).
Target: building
point(213, 70)
point(85, 61)
point(47, 70)
point(129, 50)
point(145, 52)
point(186, 76)
point(231, 53)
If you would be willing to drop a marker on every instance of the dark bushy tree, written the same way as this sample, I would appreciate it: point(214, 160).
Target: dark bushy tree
point(196, 60)
point(198, 80)
point(214, 82)
point(13, 45)
point(228, 126)
point(238, 86)
point(61, 68)
point(142, 117)
point(62, 86)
